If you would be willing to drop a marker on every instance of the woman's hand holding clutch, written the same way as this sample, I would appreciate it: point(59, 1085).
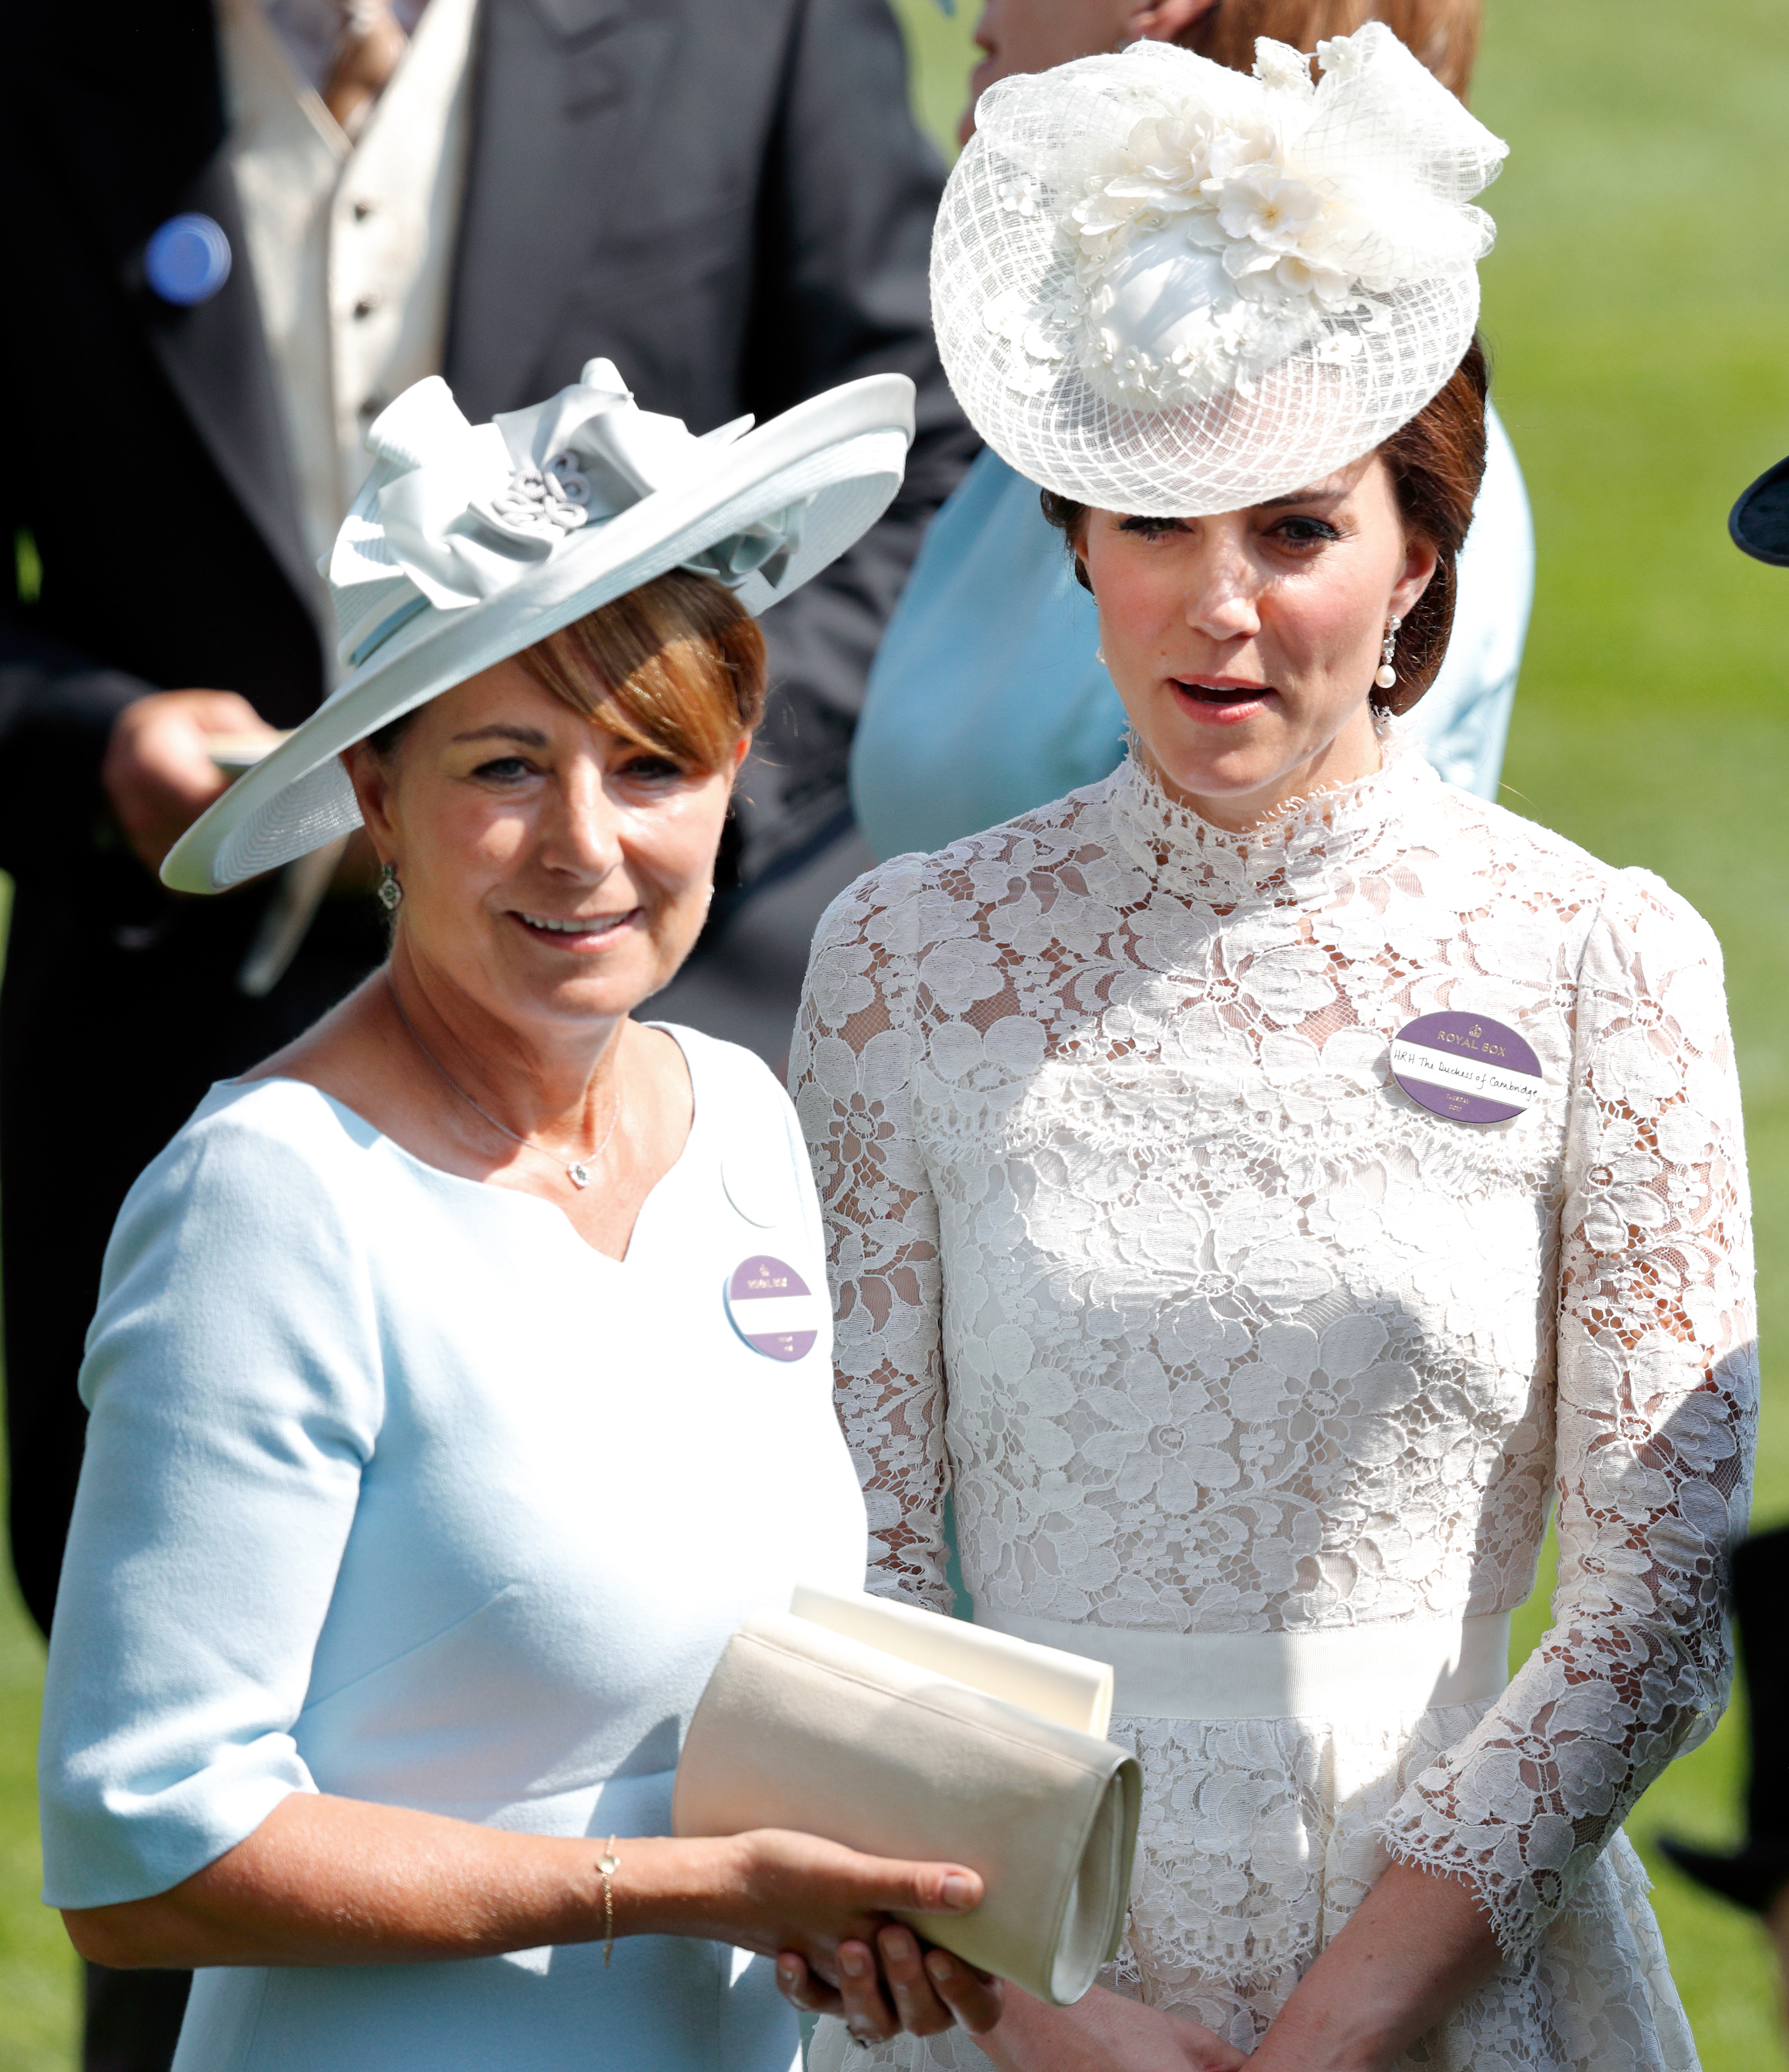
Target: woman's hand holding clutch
point(818, 1908)
point(895, 1983)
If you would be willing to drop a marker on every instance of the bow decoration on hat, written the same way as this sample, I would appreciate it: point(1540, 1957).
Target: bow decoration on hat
point(1202, 226)
point(455, 513)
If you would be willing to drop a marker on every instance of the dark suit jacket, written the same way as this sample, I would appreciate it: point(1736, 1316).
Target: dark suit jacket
point(728, 198)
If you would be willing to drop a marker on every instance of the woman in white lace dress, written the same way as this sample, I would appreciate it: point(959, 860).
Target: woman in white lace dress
point(1250, 1372)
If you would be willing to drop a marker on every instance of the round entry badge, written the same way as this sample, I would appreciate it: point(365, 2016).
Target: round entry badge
point(769, 1304)
point(1466, 1067)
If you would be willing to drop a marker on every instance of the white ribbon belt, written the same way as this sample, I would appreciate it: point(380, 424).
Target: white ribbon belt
point(1339, 1672)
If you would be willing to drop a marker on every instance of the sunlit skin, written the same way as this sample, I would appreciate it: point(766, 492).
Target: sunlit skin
point(1243, 646)
point(509, 815)
point(505, 812)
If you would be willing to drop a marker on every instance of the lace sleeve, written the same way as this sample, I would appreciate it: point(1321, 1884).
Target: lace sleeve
point(851, 1067)
point(1655, 1405)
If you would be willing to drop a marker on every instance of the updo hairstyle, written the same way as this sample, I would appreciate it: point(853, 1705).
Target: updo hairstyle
point(675, 666)
point(1435, 462)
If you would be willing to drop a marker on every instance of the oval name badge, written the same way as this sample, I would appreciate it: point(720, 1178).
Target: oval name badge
point(770, 1307)
point(1466, 1067)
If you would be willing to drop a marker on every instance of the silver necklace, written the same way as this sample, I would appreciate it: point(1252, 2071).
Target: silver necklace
point(578, 1171)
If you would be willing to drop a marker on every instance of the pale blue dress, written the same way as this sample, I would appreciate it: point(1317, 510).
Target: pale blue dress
point(985, 700)
point(395, 1489)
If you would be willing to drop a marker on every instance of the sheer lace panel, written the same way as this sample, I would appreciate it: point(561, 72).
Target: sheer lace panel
point(1139, 1250)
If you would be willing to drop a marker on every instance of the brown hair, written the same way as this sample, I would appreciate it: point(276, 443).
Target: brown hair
point(1443, 33)
point(676, 667)
point(1435, 462)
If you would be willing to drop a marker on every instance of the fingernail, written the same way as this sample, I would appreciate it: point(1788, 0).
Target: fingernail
point(957, 1889)
point(938, 1968)
point(787, 1973)
point(854, 1963)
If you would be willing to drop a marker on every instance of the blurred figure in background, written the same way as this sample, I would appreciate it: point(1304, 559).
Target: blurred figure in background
point(1756, 1874)
point(248, 225)
point(987, 699)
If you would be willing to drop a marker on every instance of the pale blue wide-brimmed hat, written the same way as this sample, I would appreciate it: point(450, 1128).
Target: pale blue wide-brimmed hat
point(471, 542)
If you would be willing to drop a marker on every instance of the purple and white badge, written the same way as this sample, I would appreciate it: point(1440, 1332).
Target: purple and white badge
point(769, 1304)
point(1466, 1067)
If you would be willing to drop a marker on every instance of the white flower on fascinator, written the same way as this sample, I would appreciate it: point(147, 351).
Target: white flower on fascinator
point(1264, 205)
point(1340, 57)
point(1187, 235)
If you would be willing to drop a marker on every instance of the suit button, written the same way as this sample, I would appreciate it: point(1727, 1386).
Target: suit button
point(187, 260)
point(366, 306)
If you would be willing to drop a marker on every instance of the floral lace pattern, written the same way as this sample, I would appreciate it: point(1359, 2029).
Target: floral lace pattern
point(1140, 1252)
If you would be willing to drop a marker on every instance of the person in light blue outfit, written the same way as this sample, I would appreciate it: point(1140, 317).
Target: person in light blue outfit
point(986, 701)
point(462, 1375)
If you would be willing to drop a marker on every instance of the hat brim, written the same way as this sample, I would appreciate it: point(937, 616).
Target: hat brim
point(845, 450)
point(1759, 521)
point(1751, 1877)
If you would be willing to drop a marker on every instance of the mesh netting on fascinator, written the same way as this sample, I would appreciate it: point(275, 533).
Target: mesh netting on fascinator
point(1164, 287)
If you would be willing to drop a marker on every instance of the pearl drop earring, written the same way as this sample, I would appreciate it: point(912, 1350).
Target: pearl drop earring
point(1100, 654)
point(1385, 675)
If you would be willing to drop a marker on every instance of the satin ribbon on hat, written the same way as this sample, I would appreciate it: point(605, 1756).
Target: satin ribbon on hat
point(455, 513)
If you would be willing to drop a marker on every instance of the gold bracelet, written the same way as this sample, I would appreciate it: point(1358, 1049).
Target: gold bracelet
point(608, 1864)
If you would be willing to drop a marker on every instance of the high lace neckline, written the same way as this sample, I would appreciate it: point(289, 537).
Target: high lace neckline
point(1307, 849)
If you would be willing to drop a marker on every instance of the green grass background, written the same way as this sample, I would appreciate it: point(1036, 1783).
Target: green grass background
point(1638, 309)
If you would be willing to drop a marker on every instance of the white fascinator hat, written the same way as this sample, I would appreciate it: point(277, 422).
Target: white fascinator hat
point(1163, 287)
point(471, 542)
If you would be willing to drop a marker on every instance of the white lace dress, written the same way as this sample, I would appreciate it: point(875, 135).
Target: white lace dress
point(1140, 1252)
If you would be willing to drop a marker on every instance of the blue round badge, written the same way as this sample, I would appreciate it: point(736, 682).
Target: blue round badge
point(187, 260)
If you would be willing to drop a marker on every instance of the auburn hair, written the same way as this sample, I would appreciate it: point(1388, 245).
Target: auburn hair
point(1443, 33)
point(676, 667)
point(1435, 462)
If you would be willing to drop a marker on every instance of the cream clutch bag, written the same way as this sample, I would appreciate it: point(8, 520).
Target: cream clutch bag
point(902, 1733)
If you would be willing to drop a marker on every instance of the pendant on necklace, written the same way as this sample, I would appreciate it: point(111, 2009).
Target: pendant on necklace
point(579, 1173)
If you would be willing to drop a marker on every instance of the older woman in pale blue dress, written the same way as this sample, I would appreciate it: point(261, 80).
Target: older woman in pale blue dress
point(442, 1429)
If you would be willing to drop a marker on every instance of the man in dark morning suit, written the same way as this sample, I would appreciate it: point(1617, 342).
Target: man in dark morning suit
point(727, 198)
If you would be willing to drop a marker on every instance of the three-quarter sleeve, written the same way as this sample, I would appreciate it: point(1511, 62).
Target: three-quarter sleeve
point(1657, 1389)
point(233, 1376)
point(852, 1068)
